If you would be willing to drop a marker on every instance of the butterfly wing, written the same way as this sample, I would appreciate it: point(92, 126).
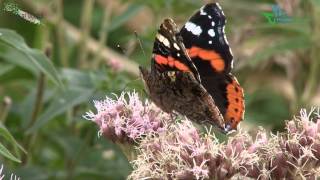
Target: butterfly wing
point(204, 37)
point(207, 46)
point(169, 53)
point(174, 83)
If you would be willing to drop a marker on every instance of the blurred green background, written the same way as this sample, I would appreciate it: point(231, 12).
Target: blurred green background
point(86, 49)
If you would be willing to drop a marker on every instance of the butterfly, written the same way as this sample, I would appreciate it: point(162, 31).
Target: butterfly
point(191, 71)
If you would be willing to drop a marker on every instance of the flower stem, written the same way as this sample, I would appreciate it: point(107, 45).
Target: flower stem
point(103, 34)
point(38, 103)
point(60, 35)
point(85, 26)
point(313, 77)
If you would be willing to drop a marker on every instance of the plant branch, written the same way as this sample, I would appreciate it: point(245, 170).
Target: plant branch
point(313, 77)
point(103, 34)
point(85, 33)
point(60, 34)
point(74, 34)
point(106, 53)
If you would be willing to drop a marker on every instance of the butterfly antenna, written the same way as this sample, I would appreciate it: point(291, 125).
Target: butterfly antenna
point(140, 43)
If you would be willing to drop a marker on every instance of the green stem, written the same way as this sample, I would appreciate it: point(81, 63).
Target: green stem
point(103, 34)
point(43, 34)
point(313, 77)
point(85, 26)
point(60, 35)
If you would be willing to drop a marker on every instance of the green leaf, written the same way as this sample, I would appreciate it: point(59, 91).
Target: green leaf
point(14, 50)
point(64, 101)
point(6, 153)
point(118, 21)
point(77, 78)
point(7, 135)
point(5, 68)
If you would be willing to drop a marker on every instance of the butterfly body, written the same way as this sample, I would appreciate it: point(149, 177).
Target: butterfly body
point(191, 71)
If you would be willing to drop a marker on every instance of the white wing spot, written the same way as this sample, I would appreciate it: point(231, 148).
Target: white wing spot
point(163, 39)
point(202, 11)
point(210, 42)
point(193, 28)
point(210, 17)
point(175, 45)
point(213, 23)
point(178, 54)
point(211, 32)
point(166, 42)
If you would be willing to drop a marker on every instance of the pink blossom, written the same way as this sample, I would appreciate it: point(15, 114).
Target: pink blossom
point(182, 153)
point(127, 118)
point(166, 149)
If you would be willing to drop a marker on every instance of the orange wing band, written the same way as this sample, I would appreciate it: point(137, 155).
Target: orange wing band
point(171, 62)
point(215, 59)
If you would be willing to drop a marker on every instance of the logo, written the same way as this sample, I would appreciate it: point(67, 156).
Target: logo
point(277, 15)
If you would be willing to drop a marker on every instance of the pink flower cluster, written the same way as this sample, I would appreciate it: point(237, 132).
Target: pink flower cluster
point(181, 153)
point(176, 150)
point(126, 118)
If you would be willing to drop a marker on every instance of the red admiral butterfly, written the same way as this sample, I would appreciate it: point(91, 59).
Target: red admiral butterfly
point(191, 71)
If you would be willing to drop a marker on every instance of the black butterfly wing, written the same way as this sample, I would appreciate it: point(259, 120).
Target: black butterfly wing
point(207, 46)
point(204, 37)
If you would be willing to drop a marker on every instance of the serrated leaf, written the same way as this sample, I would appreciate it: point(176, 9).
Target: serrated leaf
point(64, 101)
point(14, 50)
